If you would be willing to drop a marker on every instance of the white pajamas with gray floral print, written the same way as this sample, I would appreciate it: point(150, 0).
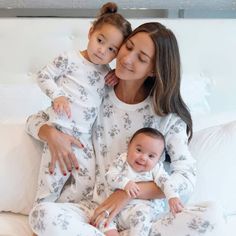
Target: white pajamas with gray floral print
point(139, 214)
point(115, 124)
point(82, 83)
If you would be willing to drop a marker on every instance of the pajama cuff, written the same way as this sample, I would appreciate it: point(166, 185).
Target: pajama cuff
point(170, 193)
point(58, 93)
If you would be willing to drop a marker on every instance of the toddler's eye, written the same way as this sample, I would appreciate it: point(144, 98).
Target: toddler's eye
point(99, 40)
point(113, 50)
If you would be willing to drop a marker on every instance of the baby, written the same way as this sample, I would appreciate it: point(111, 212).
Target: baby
point(140, 163)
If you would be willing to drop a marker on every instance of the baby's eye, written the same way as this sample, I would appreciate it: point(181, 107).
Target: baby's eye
point(138, 149)
point(151, 156)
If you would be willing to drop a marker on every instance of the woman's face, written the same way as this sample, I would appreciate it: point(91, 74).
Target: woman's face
point(135, 59)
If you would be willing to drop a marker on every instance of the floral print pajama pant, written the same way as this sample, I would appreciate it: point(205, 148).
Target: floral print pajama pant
point(62, 219)
point(81, 181)
point(138, 216)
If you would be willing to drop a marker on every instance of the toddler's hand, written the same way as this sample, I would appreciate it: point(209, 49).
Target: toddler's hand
point(175, 205)
point(111, 79)
point(61, 105)
point(132, 189)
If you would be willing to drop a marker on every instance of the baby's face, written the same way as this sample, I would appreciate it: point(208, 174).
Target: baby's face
point(144, 152)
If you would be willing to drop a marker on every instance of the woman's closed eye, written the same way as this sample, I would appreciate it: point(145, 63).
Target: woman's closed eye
point(143, 59)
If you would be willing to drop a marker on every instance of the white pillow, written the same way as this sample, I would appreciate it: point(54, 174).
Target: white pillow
point(19, 165)
point(215, 151)
point(195, 90)
point(18, 101)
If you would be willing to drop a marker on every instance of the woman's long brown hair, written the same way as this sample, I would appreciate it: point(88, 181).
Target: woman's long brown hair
point(164, 86)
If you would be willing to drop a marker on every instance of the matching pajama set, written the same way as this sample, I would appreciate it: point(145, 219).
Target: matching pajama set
point(115, 124)
point(139, 214)
point(82, 83)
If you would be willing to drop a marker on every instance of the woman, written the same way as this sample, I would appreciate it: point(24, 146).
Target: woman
point(148, 95)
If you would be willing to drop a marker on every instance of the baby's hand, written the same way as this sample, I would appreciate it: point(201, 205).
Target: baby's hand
point(132, 189)
point(175, 205)
point(111, 79)
point(61, 105)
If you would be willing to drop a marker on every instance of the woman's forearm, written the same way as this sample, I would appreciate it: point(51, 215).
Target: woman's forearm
point(34, 124)
point(149, 190)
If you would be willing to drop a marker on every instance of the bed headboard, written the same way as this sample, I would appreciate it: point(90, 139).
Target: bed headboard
point(207, 48)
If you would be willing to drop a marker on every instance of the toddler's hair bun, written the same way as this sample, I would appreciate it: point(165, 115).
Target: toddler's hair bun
point(109, 7)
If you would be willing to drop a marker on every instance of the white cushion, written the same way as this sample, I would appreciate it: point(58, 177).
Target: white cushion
point(215, 151)
point(18, 101)
point(195, 91)
point(19, 164)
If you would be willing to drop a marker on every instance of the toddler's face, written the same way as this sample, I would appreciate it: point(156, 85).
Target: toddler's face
point(144, 152)
point(104, 43)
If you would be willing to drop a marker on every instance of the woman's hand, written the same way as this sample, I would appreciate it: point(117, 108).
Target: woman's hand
point(60, 146)
point(111, 79)
point(110, 208)
point(105, 213)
